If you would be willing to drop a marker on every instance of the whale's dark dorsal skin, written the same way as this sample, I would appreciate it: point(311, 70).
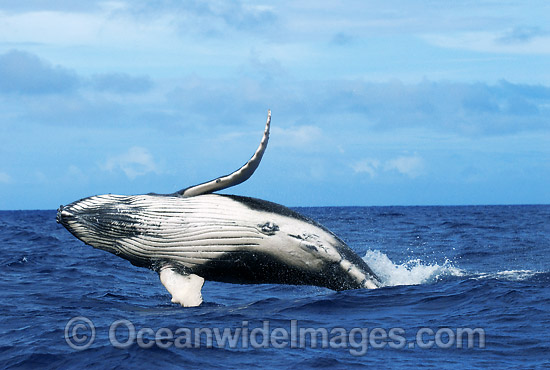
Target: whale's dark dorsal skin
point(193, 235)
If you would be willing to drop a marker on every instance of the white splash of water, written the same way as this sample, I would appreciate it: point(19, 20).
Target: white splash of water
point(509, 275)
point(412, 272)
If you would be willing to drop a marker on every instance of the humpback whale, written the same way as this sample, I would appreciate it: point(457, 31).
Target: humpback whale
point(195, 234)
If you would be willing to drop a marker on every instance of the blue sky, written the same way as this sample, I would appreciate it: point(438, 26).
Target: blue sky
point(374, 103)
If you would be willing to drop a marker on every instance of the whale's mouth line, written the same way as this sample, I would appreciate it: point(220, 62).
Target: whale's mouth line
point(59, 216)
point(61, 213)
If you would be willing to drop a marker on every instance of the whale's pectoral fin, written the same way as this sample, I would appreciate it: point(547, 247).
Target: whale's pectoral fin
point(185, 289)
point(235, 178)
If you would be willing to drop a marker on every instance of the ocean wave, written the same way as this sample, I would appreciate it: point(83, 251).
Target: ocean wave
point(416, 272)
point(412, 272)
point(508, 275)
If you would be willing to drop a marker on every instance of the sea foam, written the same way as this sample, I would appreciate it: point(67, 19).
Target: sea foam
point(412, 272)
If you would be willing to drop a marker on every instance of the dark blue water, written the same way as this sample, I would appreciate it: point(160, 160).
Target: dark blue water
point(446, 270)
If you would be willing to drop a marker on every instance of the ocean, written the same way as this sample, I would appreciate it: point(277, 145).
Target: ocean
point(464, 287)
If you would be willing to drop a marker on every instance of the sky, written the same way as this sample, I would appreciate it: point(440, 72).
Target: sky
point(373, 103)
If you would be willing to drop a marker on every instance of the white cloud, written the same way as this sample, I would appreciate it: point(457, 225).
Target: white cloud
point(298, 137)
point(410, 166)
point(492, 42)
point(5, 178)
point(367, 165)
point(137, 161)
point(51, 27)
point(521, 35)
point(75, 174)
point(41, 177)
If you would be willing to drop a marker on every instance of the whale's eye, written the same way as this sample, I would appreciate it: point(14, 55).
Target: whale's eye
point(269, 228)
point(309, 246)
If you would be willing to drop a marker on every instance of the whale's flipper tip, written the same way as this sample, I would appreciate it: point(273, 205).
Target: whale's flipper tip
point(236, 177)
point(185, 289)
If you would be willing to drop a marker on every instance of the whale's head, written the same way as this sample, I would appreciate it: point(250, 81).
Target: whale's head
point(103, 221)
